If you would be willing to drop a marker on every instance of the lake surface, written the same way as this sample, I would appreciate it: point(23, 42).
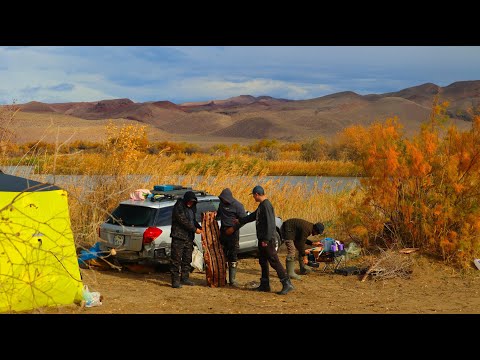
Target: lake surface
point(327, 182)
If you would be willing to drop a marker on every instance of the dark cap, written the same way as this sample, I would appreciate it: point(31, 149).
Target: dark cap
point(189, 196)
point(258, 190)
point(319, 227)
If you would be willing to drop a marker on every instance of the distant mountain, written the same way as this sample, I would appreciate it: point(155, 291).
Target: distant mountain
point(251, 117)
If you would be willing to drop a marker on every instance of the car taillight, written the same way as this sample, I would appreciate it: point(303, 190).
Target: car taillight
point(151, 234)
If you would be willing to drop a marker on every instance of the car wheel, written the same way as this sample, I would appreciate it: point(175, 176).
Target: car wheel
point(278, 240)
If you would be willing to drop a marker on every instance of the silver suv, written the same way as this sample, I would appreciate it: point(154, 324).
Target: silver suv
point(140, 229)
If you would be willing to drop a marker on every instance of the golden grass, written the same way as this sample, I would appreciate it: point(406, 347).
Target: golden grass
point(201, 164)
point(90, 206)
point(313, 168)
point(104, 179)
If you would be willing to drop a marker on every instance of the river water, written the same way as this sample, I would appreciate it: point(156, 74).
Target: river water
point(324, 182)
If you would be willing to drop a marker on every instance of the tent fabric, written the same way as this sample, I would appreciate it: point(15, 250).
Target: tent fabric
point(19, 184)
point(38, 262)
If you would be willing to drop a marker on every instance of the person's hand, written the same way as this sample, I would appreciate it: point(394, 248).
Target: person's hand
point(230, 230)
point(305, 260)
point(263, 244)
point(198, 231)
point(236, 221)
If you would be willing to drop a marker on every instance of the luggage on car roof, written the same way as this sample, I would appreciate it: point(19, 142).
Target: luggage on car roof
point(164, 187)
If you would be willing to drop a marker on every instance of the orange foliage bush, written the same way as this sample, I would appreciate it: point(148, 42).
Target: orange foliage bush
point(422, 192)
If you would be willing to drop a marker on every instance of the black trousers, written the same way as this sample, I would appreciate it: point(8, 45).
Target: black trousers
point(268, 255)
point(230, 245)
point(181, 256)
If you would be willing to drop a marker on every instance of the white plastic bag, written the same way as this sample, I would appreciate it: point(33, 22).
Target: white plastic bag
point(353, 250)
point(91, 298)
point(197, 259)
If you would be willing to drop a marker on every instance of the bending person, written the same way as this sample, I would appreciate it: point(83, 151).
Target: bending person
point(295, 233)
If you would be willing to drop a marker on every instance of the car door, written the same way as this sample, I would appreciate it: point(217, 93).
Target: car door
point(248, 237)
point(204, 206)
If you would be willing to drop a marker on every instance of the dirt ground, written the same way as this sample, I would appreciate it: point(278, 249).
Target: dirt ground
point(432, 288)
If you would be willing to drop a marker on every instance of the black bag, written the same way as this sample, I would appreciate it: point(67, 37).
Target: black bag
point(351, 270)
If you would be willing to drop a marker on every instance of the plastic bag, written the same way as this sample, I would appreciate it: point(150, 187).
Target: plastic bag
point(91, 298)
point(197, 259)
point(140, 194)
point(89, 254)
point(353, 250)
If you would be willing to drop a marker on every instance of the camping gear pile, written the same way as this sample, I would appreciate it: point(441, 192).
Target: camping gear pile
point(96, 258)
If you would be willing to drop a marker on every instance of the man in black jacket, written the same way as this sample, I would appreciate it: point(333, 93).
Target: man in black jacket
point(184, 228)
point(229, 210)
point(295, 232)
point(265, 226)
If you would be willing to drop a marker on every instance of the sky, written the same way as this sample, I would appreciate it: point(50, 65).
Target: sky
point(200, 73)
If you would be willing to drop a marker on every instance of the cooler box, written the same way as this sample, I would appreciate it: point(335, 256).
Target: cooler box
point(166, 187)
point(327, 243)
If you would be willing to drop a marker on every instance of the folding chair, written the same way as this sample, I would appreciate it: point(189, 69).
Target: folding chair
point(332, 259)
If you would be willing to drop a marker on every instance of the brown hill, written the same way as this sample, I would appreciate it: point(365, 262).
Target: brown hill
point(252, 127)
point(250, 117)
point(100, 110)
point(422, 94)
point(167, 105)
point(201, 122)
point(241, 102)
point(37, 107)
point(463, 97)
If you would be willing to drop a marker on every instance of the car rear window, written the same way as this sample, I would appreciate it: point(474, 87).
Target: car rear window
point(203, 206)
point(129, 215)
point(164, 216)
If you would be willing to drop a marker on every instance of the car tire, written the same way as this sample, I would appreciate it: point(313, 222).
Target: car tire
point(278, 240)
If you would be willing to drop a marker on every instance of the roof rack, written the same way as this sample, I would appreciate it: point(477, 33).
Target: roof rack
point(176, 192)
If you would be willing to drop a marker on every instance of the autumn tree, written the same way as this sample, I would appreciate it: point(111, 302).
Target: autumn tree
point(421, 192)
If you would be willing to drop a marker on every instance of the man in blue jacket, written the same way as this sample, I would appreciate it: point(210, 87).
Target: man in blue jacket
point(229, 210)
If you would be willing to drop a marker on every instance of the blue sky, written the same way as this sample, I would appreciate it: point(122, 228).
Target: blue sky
point(199, 73)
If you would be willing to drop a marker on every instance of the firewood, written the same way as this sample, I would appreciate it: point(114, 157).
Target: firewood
point(214, 257)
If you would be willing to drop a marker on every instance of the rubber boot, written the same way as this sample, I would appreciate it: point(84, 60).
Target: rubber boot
point(176, 282)
point(287, 286)
point(290, 266)
point(185, 280)
point(304, 269)
point(232, 273)
point(264, 285)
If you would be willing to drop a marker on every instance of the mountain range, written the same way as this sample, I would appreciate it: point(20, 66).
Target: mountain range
point(249, 117)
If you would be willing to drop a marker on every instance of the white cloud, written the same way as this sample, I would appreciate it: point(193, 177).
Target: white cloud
point(221, 89)
point(181, 74)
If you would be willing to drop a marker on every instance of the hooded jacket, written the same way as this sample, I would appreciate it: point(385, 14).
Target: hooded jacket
point(183, 218)
point(297, 230)
point(230, 211)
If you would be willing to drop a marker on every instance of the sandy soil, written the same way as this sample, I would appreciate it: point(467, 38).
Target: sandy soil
point(433, 288)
